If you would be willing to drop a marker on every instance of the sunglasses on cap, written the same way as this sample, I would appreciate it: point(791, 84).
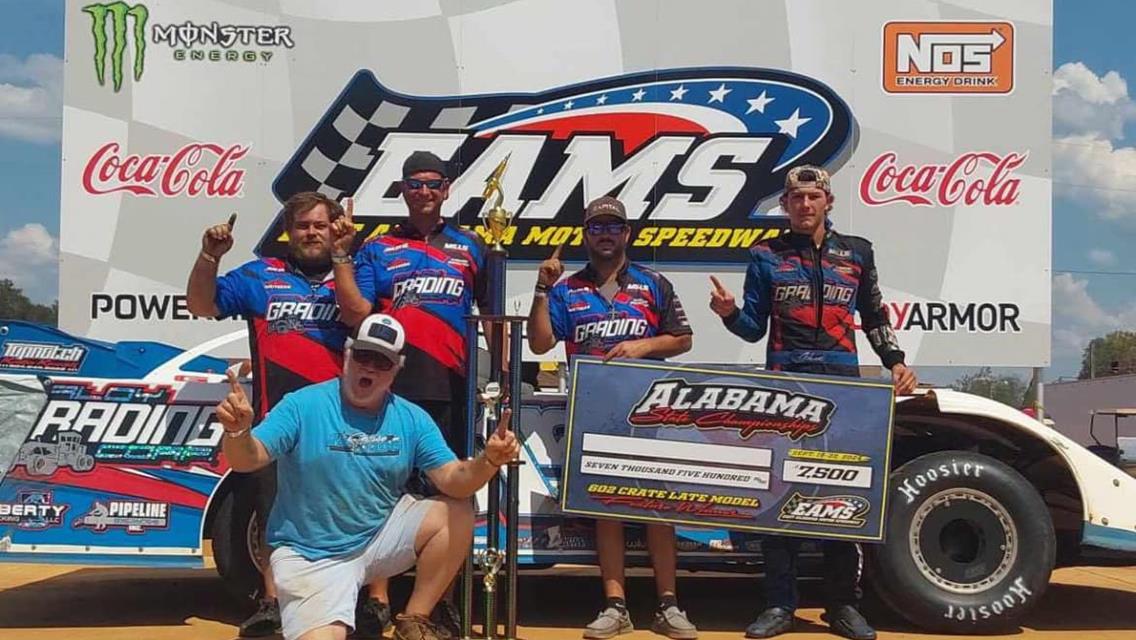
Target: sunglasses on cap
point(433, 184)
point(374, 359)
point(608, 228)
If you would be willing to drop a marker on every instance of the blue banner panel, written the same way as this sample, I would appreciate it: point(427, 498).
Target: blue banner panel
point(761, 451)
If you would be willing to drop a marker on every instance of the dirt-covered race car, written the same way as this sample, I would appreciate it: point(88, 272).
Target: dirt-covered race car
point(110, 454)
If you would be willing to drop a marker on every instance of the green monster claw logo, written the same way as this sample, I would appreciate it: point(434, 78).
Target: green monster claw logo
point(119, 11)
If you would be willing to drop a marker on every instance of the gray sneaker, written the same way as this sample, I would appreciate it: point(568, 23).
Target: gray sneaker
point(610, 623)
point(672, 623)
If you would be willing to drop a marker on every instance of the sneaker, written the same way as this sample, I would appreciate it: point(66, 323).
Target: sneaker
point(847, 621)
point(672, 623)
point(772, 622)
point(372, 617)
point(407, 627)
point(265, 622)
point(610, 623)
point(447, 619)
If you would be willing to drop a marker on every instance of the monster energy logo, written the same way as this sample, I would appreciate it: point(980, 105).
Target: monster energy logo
point(118, 12)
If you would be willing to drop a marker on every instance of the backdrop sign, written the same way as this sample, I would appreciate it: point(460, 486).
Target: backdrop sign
point(177, 114)
point(767, 452)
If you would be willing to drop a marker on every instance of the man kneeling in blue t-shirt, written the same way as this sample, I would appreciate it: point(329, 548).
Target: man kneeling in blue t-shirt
point(344, 450)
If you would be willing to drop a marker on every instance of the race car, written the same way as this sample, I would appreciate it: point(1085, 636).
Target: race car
point(110, 454)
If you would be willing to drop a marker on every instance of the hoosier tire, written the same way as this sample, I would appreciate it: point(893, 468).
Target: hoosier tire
point(969, 544)
point(235, 543)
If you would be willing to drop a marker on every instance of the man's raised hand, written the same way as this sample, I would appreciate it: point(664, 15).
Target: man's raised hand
point(551, 269)
point(218, 239)
point(721, 300)
point(343, 229)
point(235, 411)
point(502, 445)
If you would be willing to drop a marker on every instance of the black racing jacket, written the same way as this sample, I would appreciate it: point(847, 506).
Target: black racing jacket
point(807, 298)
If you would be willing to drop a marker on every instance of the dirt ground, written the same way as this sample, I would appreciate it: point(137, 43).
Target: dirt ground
point(40, 602)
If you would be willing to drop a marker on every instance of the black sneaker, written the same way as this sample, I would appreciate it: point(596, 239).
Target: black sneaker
point(265, 622)
point(372, 617)
point(847, 621)
point(772, 622)
point(447, 619)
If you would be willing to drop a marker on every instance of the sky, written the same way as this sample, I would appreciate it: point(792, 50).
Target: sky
point(1094, 166)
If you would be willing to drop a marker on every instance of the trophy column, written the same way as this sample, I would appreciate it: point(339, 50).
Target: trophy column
point(501, 385)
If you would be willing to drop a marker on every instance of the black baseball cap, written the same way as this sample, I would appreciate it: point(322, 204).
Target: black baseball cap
point(424, 161)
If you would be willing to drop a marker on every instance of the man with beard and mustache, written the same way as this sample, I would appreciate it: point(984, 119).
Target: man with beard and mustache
point(295, 336)
point(428, 273)
point(616, 309)
point(345, 450)
point(804, 287)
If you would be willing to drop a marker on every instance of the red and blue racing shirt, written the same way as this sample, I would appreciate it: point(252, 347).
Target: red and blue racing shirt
point(644, 306)
point(295, 335)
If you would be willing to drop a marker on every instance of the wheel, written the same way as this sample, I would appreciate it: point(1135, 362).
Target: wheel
point(236, 545)
point(969, 544)
point(41, 466)
point(83, 463)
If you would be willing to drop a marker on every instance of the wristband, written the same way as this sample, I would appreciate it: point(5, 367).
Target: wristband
point(237, 434)
point(208, 257)
point(343, 259)
point(542, 288)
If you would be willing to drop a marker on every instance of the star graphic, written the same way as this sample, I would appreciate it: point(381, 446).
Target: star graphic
point(758, 104)
point(678, 93)
point(792, 123)
point(568, 105)
point(638, 95)
point(719, 94)
point(602, 99)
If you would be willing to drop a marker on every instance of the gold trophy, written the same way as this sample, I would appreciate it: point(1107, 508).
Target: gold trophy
point(491, 561)
point(497, 219)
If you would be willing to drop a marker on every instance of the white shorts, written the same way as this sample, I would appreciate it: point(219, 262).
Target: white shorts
point(320, 593)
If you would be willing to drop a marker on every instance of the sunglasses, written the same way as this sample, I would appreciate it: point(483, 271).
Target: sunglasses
point(374, 359)
point(415, 184)
point(608, 228)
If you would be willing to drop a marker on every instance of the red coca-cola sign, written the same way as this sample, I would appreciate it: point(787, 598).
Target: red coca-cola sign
point(197, 169)
point(978, 177)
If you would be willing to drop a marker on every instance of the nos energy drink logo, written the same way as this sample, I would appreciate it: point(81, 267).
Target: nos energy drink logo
point(691, 153)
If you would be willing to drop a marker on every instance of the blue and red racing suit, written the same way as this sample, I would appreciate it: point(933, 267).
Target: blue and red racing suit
point(808, 297)
point(430, 285)
point(295, 335)
point(644, 306)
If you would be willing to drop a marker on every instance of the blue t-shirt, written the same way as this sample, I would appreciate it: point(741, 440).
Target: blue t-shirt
point(339, 471)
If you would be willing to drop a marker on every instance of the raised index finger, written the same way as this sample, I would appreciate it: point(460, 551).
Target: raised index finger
point(717, 285)
point(503, 422)
point(234, 382)
point(232, 221)
point(349, 208)
point(556, 252)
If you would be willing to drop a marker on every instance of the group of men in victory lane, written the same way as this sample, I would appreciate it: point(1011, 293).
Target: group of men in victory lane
point(358, 396)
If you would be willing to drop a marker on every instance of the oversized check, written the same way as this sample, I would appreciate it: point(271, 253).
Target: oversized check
point(758, 451)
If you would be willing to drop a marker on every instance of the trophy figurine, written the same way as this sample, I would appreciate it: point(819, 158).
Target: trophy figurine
point(490, 397)
point(497, 219)
point(491, 560)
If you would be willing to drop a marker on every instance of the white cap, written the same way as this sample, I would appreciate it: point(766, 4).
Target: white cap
point(382, 333)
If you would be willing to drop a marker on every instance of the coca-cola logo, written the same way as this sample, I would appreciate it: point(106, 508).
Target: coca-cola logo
point(196, 169)
point(979, 177)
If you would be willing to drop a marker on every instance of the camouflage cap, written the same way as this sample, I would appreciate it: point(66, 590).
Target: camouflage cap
point(808, 176)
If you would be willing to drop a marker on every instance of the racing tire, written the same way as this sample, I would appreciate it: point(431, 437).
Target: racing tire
point(235, 541)
point(969, 545)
